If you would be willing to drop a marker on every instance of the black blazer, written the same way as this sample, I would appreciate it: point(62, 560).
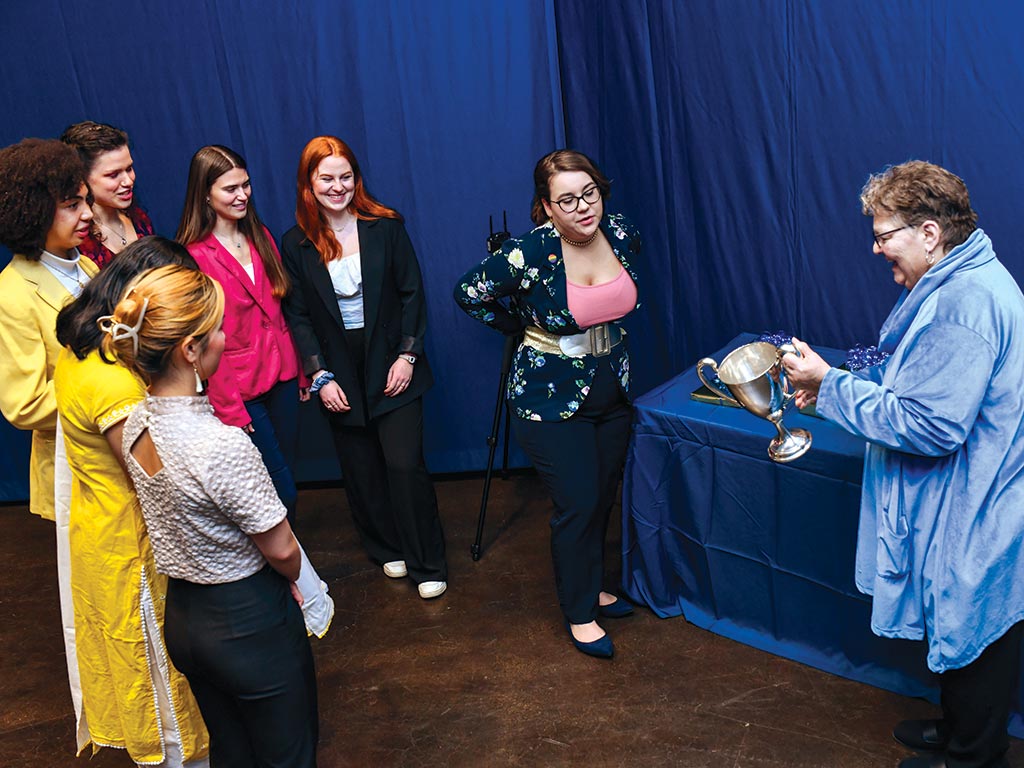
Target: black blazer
point(394, 311)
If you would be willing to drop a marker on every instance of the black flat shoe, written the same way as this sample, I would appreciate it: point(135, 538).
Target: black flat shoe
point(922, 735)
point(601, 648)
point(617, 610)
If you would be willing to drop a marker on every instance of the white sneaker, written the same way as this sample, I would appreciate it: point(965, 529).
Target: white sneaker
point(429, 589)
point(395, 569)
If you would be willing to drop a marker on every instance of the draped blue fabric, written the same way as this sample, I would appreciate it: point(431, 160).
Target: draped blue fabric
point(737, 134)
point(447, 106)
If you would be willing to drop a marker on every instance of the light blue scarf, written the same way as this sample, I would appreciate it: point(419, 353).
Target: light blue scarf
point(973, 252)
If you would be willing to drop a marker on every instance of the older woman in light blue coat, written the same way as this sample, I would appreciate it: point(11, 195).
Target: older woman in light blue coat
point(941, 542)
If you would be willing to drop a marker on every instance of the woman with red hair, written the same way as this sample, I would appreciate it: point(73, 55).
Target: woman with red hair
point(358, 315)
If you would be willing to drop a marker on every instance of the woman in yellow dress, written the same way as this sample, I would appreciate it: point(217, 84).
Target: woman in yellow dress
point(132, 696)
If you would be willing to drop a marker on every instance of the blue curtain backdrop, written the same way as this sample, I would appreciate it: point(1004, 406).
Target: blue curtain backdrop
point(738, 134)
point(447, 105)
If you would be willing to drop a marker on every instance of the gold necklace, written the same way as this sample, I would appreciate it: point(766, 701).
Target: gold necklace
point(344, 229)
point(581, 243)
point(75, 275)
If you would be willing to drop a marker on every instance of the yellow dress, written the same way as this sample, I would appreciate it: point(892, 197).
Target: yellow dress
point(113, 575)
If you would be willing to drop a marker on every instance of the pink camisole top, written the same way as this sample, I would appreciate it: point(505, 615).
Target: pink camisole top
point(601, 303)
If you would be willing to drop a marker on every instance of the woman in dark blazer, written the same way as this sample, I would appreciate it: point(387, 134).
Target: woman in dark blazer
point(358, 316)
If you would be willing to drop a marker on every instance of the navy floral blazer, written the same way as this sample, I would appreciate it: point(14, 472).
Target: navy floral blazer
point(529, 271)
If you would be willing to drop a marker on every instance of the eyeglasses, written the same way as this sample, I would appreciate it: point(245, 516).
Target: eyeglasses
point(883, 237)
point(569, 203)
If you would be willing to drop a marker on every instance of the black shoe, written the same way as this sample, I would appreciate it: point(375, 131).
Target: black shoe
point(922, 735)
point(617, 610)
point(601, 648)
point(923, 761)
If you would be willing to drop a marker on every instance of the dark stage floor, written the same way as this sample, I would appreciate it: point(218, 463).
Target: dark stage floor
point(484, 676)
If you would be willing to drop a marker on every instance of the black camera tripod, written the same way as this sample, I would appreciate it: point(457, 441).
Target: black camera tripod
point(494, 242)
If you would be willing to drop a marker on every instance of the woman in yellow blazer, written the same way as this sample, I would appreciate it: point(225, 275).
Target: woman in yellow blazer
point(44, 216)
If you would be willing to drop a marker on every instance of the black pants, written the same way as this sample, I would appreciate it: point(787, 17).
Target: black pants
point(976, 702)
point(580, 460)
point(244, 650)
point(389, 490)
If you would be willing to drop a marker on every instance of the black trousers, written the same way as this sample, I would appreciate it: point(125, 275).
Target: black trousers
point(580, 461)
point(389, 490)
point(244, 650)
point(976, 702)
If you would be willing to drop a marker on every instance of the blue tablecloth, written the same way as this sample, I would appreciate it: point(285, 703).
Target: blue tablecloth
point(758, 552)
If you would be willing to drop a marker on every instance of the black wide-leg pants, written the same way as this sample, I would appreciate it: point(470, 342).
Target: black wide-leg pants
point(580, 461)
point(390, 493)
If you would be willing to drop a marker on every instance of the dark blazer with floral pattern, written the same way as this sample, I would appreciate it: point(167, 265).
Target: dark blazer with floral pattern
point(530, 271)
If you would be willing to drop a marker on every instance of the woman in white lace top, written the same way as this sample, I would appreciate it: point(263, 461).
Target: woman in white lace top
point(218, 530)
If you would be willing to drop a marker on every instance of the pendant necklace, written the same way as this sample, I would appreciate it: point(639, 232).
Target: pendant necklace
point(75, 275)
point(120, 235)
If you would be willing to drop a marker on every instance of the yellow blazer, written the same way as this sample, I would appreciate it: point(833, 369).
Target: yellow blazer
point(30, 298)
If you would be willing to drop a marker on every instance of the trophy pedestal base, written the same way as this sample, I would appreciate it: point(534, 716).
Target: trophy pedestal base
point(792, 446)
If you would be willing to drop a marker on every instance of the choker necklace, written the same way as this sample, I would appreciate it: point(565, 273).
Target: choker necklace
point(121, 234)
point(580, 243)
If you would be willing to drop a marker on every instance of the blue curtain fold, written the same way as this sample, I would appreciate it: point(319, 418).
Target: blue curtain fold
point(738, 134)
point(447, 105)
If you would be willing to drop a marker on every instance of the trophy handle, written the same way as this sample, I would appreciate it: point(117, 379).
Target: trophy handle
point(786, 348)
point(715, 384)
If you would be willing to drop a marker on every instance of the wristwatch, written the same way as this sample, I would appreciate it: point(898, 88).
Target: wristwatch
point(409, 358)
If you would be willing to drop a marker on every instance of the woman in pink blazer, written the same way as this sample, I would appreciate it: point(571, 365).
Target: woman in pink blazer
point(256, 386)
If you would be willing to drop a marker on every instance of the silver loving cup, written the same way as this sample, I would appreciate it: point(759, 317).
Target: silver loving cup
point(752, 376)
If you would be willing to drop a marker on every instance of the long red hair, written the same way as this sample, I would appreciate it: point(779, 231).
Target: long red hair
point(307, 211)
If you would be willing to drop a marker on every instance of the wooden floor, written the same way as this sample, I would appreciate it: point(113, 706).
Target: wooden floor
point(484, 676)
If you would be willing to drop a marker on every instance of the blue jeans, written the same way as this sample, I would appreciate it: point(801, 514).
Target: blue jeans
point(275, 421)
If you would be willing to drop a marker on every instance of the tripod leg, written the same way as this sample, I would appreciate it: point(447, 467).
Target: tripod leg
point(508, 434)
point(511, 344)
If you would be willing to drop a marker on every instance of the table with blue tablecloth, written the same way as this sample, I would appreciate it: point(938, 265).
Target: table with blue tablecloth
point(756, 551)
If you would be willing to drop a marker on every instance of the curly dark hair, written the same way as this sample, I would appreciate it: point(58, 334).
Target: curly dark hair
point(36, 175)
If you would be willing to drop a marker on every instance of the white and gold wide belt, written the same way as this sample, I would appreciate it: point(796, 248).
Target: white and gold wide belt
point(598, 340)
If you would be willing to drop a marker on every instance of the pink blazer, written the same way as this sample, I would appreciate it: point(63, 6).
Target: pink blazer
point(258, 347)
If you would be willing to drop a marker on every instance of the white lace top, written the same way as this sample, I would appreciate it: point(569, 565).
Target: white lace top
point(212, 492)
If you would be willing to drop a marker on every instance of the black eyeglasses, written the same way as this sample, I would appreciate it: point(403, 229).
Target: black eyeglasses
point(569, 203)
point(883, 237)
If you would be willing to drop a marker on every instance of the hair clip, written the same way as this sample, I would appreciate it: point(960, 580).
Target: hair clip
point(120, 331)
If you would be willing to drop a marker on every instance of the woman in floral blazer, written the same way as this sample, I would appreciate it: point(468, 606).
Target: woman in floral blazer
point(568, 283)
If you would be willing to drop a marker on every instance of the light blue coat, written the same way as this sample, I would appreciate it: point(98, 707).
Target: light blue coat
point(941, 541)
